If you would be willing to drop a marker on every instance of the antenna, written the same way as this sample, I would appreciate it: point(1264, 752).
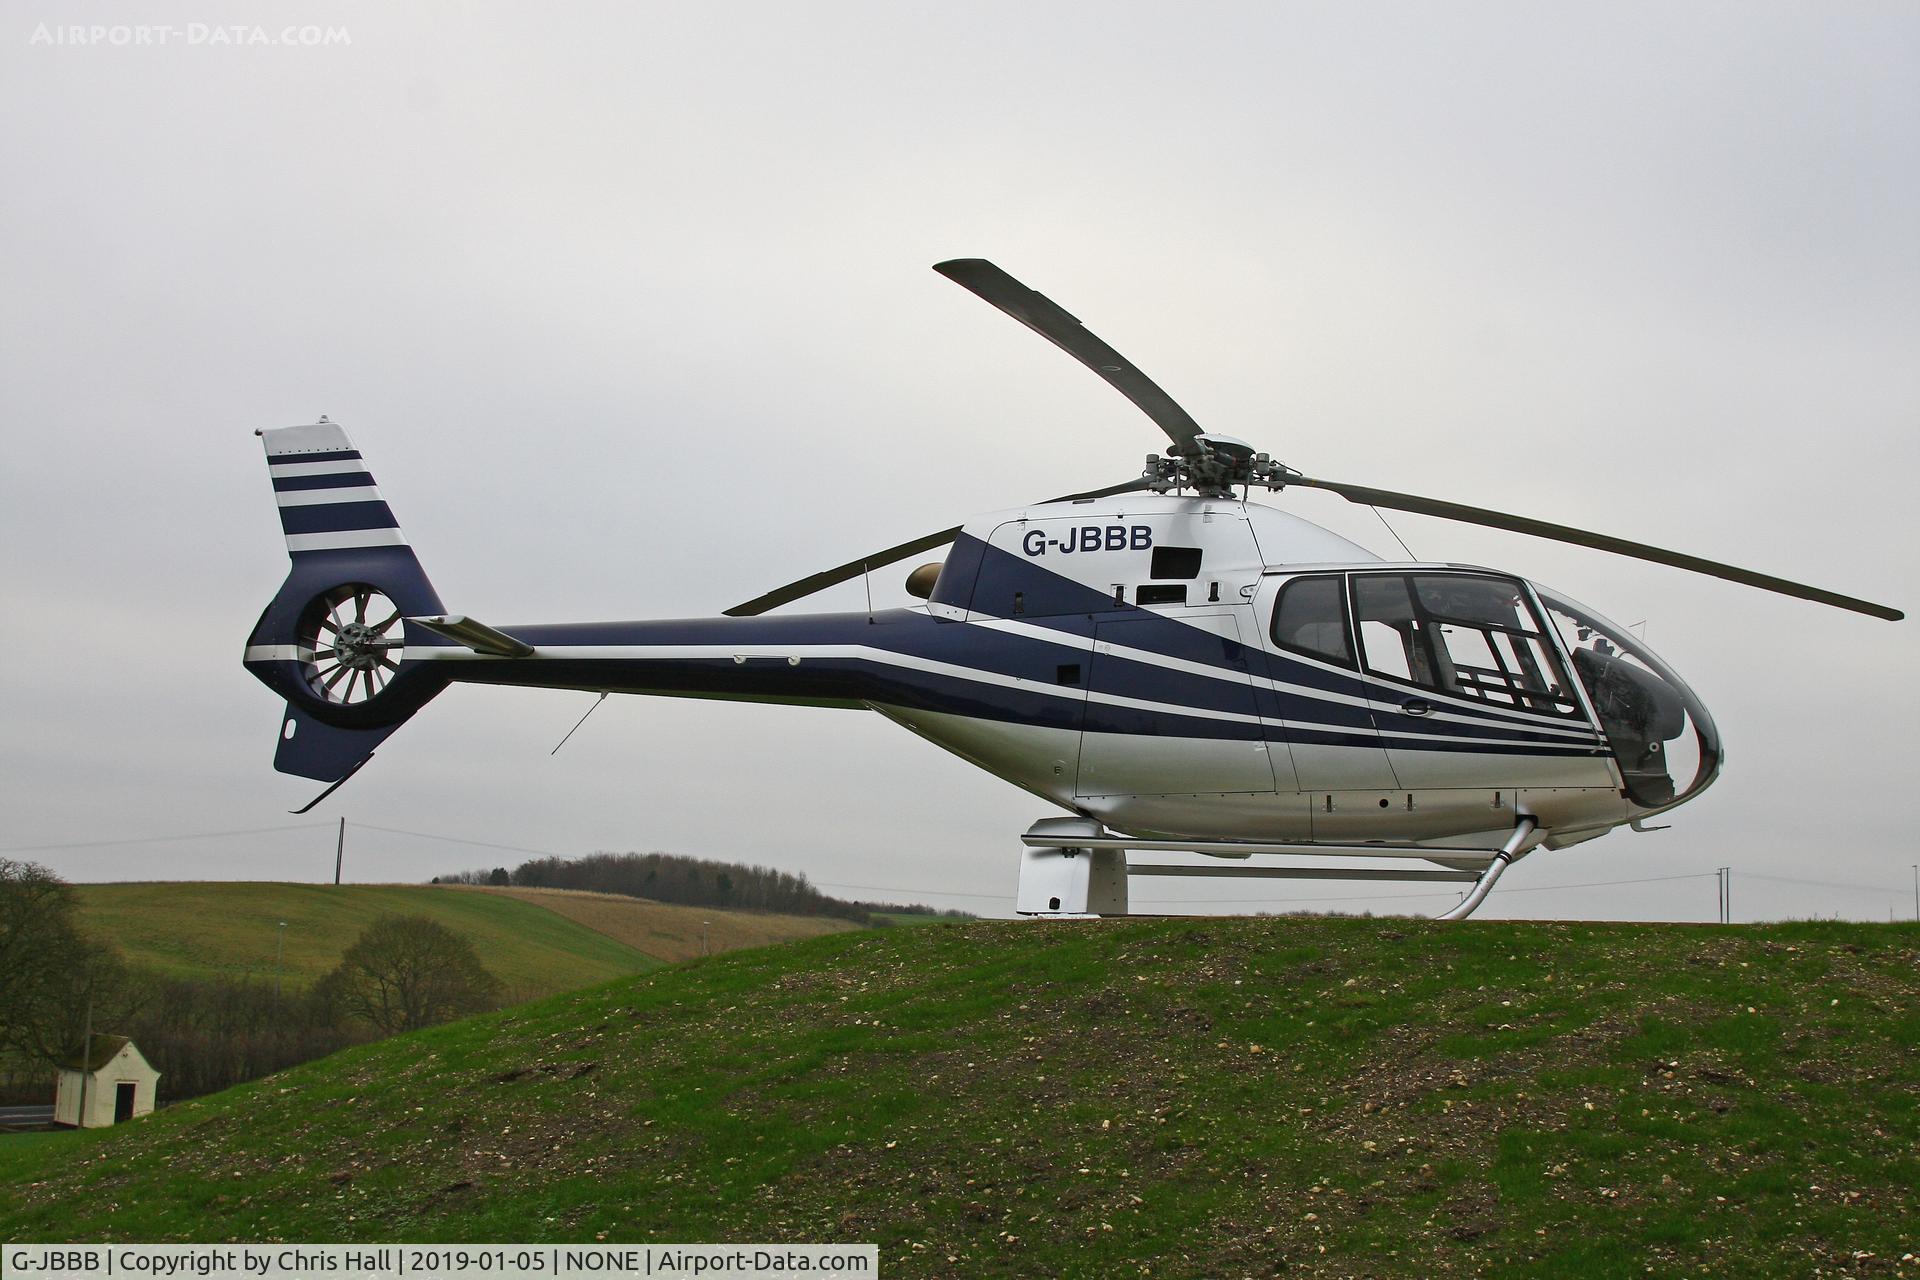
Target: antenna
point(576, 725)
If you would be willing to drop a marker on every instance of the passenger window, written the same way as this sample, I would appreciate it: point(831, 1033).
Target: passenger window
point(1311, 617)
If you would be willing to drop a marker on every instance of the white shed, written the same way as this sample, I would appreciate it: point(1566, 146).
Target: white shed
point(116, 1078)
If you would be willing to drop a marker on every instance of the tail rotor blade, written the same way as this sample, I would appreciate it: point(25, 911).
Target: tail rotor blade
point(1599, 541)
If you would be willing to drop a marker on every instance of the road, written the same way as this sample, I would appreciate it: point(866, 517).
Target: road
point(26, 1115)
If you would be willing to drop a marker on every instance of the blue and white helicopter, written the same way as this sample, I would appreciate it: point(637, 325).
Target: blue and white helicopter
point(1176, 667)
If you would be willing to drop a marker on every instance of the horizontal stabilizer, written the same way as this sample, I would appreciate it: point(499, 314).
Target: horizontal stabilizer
point(475, 635)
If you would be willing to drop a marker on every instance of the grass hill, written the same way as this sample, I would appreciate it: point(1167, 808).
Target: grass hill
point(536, 942)
point(1175, 1098)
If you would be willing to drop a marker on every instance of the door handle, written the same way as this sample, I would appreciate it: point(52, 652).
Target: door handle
point(1416, 706)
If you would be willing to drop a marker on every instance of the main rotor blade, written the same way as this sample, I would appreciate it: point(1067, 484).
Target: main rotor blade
point(1599, 541)
point(840, 573)
point(833, 577)
point(1050, 320)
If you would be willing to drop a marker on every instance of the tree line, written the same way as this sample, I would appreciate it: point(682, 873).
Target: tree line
point(675, 878)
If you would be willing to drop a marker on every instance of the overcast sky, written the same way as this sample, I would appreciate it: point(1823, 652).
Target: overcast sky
point(628, 307)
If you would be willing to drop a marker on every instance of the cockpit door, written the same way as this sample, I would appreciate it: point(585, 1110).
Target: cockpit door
point(1466, 688)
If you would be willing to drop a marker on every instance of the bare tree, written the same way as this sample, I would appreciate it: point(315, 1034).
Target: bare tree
point(204, 1034)
point(408, 972)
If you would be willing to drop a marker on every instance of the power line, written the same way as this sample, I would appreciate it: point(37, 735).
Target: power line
point(889, 888)
point(1824, 884)
point(200, 835)
point(478, 844)
point(1601, 884)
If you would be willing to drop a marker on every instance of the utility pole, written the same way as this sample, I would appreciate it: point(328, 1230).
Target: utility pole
point(86, 1061)
point(1916, 891)
point(279, 951)
point(703, 937)
point(339, 850)
point(1724, 875)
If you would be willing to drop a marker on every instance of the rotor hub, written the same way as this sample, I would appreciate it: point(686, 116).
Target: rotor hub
point(353, 635)
point(359, 646)
point(1214, 466)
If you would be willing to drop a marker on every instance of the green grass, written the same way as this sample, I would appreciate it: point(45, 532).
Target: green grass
point(913, 918)
point(1235, 1097)
point(208, 928)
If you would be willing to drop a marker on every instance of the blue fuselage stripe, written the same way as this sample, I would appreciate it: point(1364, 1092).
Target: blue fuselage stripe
point(1246, 711)
point(1167, 635)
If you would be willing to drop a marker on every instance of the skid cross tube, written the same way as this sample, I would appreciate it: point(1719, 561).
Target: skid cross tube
point(1304, 873)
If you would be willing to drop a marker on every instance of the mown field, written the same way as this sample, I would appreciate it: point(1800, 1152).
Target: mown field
point(1168, 1098)
point(536, 941)
point(668, 932)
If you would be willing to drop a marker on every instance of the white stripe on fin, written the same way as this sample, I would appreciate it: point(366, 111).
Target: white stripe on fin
point(318, 497)
point(281, 470)
point(345, 540)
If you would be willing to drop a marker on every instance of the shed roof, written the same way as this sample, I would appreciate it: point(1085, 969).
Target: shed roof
point(105, 1048)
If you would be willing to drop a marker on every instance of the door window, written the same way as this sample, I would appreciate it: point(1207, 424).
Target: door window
point(1392, 635)
point(1469, 636)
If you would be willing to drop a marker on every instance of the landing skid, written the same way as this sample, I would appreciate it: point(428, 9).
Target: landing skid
point(1074, 867)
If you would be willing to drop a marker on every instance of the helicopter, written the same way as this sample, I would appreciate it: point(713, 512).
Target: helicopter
point(1178, 668)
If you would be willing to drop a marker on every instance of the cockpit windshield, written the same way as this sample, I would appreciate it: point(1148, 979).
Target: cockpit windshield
point(1644, 707)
